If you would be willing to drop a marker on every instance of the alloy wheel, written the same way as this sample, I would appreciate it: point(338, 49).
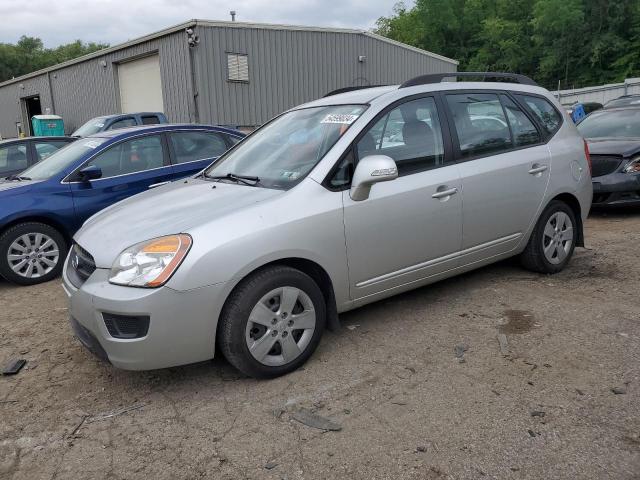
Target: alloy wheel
point(280, 326)
point(33, 255)
point(557, 238)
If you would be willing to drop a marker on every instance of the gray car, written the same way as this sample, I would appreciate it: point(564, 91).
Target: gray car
point(319, 212)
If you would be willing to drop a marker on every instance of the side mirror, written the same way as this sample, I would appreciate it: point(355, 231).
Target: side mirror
point(371, 169)
point(90, 173)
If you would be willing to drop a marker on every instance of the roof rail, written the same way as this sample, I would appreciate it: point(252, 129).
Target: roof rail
point(438, 77)
point(349, 89)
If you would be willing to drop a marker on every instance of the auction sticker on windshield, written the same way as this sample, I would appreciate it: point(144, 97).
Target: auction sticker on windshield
point(340, 118)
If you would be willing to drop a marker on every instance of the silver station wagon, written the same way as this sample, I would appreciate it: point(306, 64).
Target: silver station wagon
point(332, 205)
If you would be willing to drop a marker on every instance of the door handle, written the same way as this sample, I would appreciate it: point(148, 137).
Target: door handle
point(536, 169)
point(158, 184)
point(443, 191)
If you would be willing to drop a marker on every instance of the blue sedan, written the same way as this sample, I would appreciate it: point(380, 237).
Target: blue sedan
point(42, 207)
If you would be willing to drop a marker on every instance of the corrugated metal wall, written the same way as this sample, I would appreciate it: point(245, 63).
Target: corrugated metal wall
point(290, 67)
point(11, 107)
point(87, 89)
point(287, 66)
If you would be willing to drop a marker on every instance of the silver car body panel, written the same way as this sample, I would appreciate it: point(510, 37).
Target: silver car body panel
point(400, 238)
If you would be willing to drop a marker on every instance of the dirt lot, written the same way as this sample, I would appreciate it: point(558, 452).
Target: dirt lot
point(408, 406)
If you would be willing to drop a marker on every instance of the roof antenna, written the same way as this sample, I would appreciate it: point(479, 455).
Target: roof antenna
point(233, 15)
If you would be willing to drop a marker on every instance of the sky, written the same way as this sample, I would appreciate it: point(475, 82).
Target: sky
point(115, 21)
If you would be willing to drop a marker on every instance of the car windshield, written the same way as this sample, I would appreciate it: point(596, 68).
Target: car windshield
point(62, 159)
point(283, 153)
point(92, 126)
point(611, 123)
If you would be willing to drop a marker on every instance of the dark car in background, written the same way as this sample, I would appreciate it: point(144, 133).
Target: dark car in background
point(624, 101)
point(120, 120)
point(19, 154)
point(613, 137)
point(43, 206)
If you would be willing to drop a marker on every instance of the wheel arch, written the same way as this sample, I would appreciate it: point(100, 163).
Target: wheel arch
point(51, 222)
point(315, 271)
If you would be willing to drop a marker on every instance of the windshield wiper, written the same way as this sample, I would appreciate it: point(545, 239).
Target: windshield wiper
point(246, 179)
point(17, 177)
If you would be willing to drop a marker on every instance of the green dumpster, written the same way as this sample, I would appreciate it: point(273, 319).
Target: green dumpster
point(47, 125)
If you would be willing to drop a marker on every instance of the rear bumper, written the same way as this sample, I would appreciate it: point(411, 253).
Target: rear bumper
point(616, 189)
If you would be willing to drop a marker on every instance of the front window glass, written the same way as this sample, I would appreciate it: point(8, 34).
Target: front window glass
point(611, 123)
point(94, 125)
point(285, 151)
point(410, 134)
point(62, 159)
point(131, 156)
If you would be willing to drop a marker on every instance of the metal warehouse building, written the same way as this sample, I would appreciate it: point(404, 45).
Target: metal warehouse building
point(227, 73)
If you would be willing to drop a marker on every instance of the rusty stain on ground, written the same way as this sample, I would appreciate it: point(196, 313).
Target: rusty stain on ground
point(518, 321)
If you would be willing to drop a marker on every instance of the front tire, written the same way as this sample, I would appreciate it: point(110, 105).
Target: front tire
point(272, 322)
point(552, 241)
point(31, 253)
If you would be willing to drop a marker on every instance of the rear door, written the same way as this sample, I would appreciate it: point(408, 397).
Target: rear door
point(128, 167)
point(193, 150)
point(504, 164)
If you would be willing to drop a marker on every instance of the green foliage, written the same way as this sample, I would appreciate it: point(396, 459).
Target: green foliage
point(29, 55)
point(574, 42)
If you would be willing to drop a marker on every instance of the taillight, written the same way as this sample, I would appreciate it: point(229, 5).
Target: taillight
point(587, 156)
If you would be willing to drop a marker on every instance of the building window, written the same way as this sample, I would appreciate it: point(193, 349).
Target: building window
point(237, 67)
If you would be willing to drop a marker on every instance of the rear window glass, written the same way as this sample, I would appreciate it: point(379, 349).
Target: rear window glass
point(150, 120)
point(547, 115)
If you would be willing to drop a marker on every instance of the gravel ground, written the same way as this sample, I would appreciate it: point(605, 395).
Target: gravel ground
point(419, 385)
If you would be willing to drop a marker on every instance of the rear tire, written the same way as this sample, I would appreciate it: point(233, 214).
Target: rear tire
point(272, 322)
point(31, 253)
point(552, 241)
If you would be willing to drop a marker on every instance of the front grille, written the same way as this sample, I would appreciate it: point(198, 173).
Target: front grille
point(80, 267)
point(126, 326)
point(604, 164)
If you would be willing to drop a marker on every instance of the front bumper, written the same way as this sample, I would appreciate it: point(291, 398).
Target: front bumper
point(616, 189)
point(182, 326)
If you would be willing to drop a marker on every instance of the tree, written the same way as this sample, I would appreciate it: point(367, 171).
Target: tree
point(29, 55)
point(576, 42)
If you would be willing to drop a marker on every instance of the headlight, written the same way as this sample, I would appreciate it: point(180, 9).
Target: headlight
point(633, 166)
point(150, 264)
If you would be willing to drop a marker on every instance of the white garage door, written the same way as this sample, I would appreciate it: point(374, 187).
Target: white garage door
point(140, 85)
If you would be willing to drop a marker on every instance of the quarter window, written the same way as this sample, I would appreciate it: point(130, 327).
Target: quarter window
point(130, 156)
point(410, 134)
point(546, 114)
point(523, 130)
point(480, 124)
point(13, 158)
point(191, 146)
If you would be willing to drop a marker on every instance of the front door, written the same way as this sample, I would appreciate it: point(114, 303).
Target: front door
point(504, 166)
point(410, 228)
point(129, 167)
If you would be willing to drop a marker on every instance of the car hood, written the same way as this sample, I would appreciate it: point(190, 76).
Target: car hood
point(21, 186)
point(614, 146)
point(174, 208)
